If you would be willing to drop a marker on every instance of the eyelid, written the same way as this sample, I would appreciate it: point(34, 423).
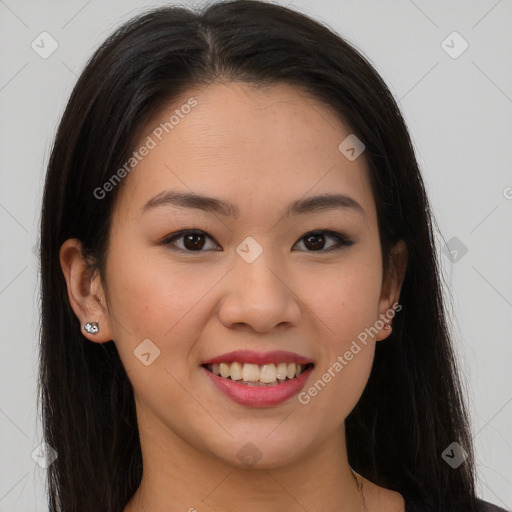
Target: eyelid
point(342, 239)
point(178, 234)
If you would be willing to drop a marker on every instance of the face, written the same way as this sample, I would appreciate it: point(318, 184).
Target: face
point(276, 283)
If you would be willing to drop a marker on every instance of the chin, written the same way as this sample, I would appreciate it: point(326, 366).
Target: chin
point(256, 452)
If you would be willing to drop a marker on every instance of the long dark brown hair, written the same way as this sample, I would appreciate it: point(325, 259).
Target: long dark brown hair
point(412, 407)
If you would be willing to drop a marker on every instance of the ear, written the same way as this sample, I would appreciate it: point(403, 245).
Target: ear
point(85, 291)
point(391, 286)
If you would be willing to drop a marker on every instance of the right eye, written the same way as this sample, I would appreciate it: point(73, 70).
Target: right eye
point(193, 240)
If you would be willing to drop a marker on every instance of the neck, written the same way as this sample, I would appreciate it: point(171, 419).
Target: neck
point(177, 478)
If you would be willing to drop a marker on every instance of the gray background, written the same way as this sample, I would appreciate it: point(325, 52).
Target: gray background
point(459, 114)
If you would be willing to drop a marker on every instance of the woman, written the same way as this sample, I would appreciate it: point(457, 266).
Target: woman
point(241, 304)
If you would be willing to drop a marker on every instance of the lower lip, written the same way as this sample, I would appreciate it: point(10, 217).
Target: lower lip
point(259, 396)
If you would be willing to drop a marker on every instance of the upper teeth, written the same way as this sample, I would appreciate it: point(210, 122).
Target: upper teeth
point(265, 373)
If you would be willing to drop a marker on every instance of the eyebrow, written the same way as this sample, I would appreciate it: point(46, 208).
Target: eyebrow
point(213, 205)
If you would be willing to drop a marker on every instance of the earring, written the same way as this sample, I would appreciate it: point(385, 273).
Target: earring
point(387, 327)
point(91, 327)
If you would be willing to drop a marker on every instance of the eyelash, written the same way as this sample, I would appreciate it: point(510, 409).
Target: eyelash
point(343, 241)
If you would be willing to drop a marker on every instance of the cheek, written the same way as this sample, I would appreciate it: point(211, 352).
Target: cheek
point(157, 302)
point(150, 294)
point(153, 298)
point(346, 302)
point(346, 299)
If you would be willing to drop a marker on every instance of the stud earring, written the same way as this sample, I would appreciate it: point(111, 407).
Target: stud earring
point(91, 327)
point(387, 327)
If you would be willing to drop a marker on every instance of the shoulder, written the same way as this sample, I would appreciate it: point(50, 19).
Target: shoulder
point(482, 506)
point(485, 506)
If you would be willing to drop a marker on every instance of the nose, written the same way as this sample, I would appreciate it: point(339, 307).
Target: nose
point(259, 296)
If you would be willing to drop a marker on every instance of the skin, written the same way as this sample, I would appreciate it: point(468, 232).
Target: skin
point(259, 149)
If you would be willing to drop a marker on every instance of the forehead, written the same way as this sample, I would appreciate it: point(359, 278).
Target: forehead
point(257, 147)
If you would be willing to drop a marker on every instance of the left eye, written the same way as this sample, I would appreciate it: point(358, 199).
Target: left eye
point(317, 240)
point(193, 240)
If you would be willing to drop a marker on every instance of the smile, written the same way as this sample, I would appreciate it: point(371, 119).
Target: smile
point(272, 374)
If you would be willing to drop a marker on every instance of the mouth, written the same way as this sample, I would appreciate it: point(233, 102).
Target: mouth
point(258, 375)
point(256, 379)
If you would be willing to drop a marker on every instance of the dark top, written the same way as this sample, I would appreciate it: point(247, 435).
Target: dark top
point(483, 506)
